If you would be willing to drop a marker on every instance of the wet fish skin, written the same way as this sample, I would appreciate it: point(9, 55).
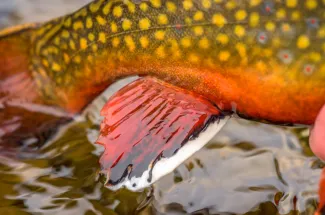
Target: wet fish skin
point(263, 59)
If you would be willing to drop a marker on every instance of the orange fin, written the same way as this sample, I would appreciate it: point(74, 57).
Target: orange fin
point(150, 128)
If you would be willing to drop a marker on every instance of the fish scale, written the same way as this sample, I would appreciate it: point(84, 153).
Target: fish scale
point(212, 47)
point(282, 22)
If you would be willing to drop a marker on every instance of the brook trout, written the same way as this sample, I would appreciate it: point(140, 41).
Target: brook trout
point(200, 61)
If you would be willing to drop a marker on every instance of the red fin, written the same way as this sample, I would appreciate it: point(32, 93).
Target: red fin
point(148, 121)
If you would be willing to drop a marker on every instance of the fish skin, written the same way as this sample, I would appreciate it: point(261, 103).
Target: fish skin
point(263, 59)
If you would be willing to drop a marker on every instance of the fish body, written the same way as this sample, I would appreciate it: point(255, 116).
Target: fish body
point(200, 59)
point(261, 59)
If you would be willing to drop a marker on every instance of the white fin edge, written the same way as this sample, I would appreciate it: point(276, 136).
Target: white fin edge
point(166, 165)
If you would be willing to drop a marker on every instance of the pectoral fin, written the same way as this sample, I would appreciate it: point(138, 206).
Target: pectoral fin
point(150, 128)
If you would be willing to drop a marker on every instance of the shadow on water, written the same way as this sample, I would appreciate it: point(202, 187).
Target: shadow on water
point(248, 168)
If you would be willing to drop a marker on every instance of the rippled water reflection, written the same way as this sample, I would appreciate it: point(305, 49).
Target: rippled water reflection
point(248, 168)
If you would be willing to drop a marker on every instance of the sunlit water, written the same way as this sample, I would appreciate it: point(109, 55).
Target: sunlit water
point(248, 168)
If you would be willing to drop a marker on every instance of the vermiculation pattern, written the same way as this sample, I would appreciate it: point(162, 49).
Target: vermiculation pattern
point(257, 34)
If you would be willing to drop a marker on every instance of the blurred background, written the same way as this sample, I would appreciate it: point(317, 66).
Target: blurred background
point(248, 168)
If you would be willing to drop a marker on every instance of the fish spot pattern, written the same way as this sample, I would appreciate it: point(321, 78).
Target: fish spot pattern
point(204, 33)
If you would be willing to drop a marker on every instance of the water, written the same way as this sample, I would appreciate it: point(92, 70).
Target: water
point(248, 168)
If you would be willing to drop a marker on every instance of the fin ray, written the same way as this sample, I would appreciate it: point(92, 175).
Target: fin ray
point(158, 124)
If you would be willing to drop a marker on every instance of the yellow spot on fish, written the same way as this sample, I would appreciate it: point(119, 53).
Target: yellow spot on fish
point(254, 3)
point(57, 41)
point(295, 15)
point(206, 4)
point(131, 7)
point(270, 26)
point(281, 14)
point(102, 37)
point(315, 57)
point(83, 43)
point(127, 24)
point(219, 20)
point(113, 27)
point(254, 19)
point(117, 11)
point(292, 3)
point(94, 7)
point(240, 15)
point(198, 16)
point(187, 4)
point(198, 30)
point(107, 8)
point(144, 41)
point(204, 43)
point(173, 44)
point(160, 35)
point(162, 19)
point(231, 4)
point(100, 20)
point(78, 25)
point(156, 3)
point(144, 24)
point(72, 45)
point(65, 34)
point(45, 62)
point(186, 42)
point(260, 65)
point(285, 27)
point(67, 22)
point(94, 47)
point(91, 36)
point(239, 30)
point(222, 38)
point(89, 22)
point(177, 54)
point(41, 31)
point(224, 56)
point(171, 7)
point(66, 58)
point(193, 58)
point(241, 48)
point(77, 59)
point(188, 20)
point(56, 67)
point(115, 42)
point(303, 42)
point(129, 43)
point(311, 4)
point(143, 6)
point(160, 51)
point(321, 32)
